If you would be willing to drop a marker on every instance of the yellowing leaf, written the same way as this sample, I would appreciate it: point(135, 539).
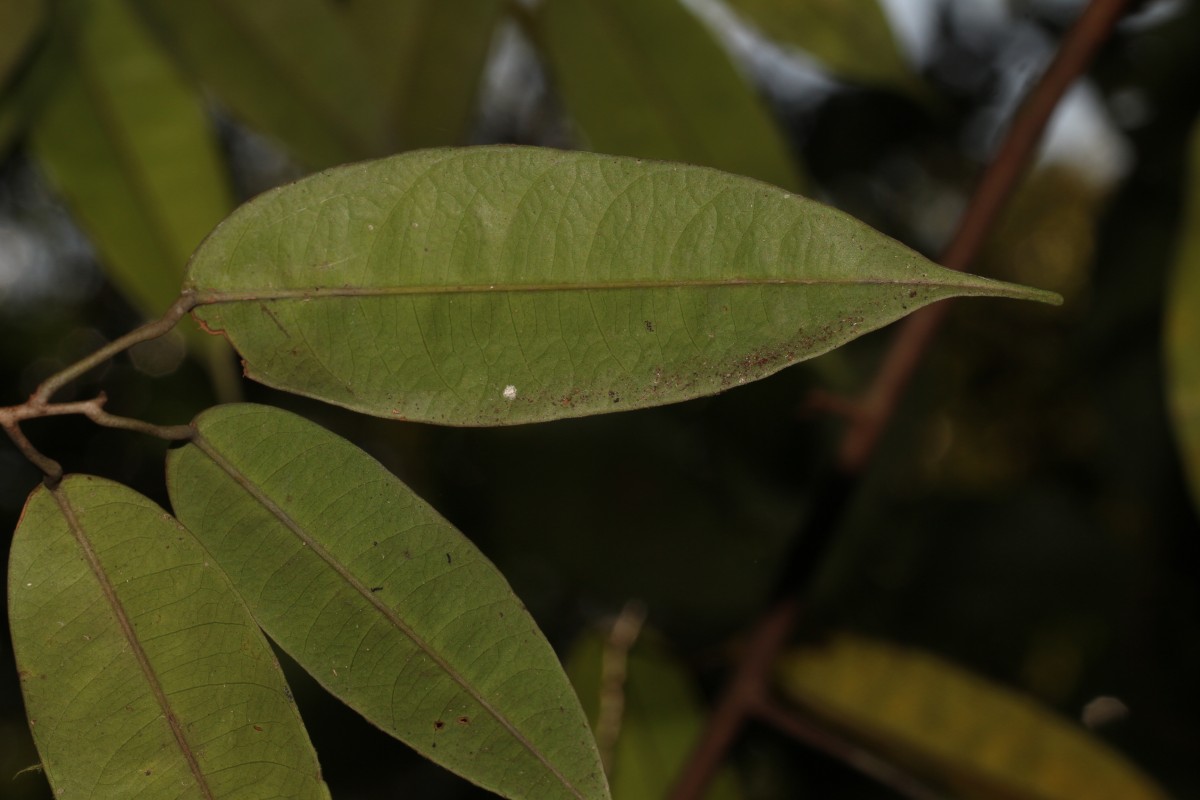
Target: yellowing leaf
point(983, 740)
point(143, 674)
point(1182, 332)
point(498, 285)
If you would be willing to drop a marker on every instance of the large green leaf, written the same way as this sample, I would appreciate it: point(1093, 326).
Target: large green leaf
point(984, 741)
point(383, 601)
point(290, 68)
point(1182, 333)
point(646, 78)
point(660, 716)
point(143, 674)
point(498, 285)
point(125, 140)
point(850, 38)
point(428, 57)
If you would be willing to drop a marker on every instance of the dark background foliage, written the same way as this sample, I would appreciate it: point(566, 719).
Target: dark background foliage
point(1026, 516)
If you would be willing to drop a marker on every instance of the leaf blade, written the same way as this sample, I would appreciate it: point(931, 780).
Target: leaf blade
point(1181, 332)
point(124, 139)
point(142, 670)
point(645, 78)
point(288, 67)
point(502, 285)
point(447, 659)
point(853, 39)
point(429, 57)
point(984, 741)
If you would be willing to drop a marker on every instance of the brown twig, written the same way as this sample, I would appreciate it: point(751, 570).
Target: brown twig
point(746, 693)
point(820, 737)
point(38, 405)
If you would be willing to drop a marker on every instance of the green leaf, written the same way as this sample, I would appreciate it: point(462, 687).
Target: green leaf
point(980, 739)
point(289, 68)
point(428, 57)
point(143, 674)
point(383, 601)
point(659, 718)
point(1182, 331)
point(125, 141)
point(30, 85)
point(499, 285)
point(645, 78)
point(20, 22)
point(851, 38)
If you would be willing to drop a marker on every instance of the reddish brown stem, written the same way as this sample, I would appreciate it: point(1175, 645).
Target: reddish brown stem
point(746, 692)
point(912, 339)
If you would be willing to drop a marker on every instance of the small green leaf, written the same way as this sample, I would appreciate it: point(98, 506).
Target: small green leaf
point(143, 674)
point(499, 285)
point(851, 38)
point(290, 68)
point(124, 139)
point(383, 601)
point(1182, 331)
point(646, 78)
point(984, 741)
point(660, 716)
point(428, 57)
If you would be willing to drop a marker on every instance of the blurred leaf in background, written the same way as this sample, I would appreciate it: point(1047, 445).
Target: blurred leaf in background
point(1182, 333)
point(427, 57)
point(853, 39)
point(291, 69)
point(645, 78)
point(985, 742)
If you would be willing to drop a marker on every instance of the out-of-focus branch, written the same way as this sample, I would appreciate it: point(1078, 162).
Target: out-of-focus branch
point(747, 694)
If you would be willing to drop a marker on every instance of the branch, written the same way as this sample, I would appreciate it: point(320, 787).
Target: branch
point(1080, 45)
point(39, 405)
point(746, 693)
point(819, 737)
point(145, 333)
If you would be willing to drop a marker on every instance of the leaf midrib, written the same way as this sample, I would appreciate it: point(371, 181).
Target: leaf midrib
point(218, 296)
point(259, 496)
point(135, 644)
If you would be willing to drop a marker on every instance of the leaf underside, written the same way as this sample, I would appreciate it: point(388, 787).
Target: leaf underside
point(383, 601)
point(982, 740)
point(501, 285)
point(143, 674)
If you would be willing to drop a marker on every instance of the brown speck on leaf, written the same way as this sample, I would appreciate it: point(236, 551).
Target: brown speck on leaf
point(649, 326)
point(449, 560)
point(258, 728)
point(438, 724)
point(464, 720)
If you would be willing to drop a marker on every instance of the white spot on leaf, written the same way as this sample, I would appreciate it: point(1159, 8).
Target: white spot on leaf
point(510, 392)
